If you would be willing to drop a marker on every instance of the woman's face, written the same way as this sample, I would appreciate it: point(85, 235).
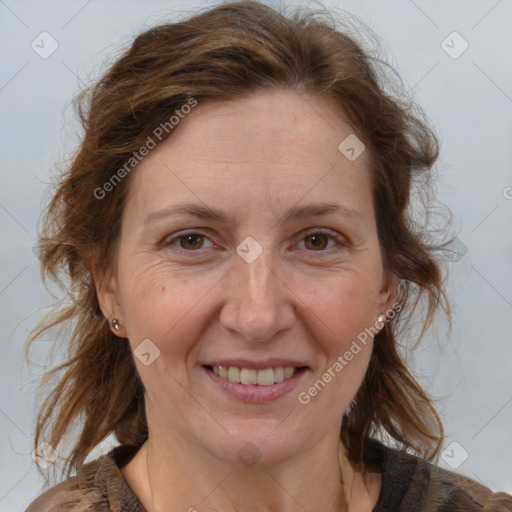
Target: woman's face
point(249, 242)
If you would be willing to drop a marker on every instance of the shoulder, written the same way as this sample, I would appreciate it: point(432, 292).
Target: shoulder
point(97, 486)
point(449, 491)
point(412, 484)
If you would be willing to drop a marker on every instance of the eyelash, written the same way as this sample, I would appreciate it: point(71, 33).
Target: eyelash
point(167, 242)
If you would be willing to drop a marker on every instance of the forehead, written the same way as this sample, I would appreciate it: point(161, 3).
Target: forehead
point(272, 146)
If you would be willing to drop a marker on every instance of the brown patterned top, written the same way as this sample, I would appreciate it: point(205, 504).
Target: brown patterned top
point(409, 484)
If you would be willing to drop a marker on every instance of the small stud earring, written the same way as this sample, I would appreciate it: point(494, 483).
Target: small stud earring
point(381, 319)
point(116, 325)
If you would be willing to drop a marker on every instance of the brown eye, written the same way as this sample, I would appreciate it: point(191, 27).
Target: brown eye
point(191, 242)
point(317, 241)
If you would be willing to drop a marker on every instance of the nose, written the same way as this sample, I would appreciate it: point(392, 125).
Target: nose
point(258, 304)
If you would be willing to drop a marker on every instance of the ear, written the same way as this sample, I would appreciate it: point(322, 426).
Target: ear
point(107, 293)
point(388, 294)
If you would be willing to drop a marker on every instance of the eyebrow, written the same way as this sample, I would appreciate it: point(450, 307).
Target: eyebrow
point(213, 214)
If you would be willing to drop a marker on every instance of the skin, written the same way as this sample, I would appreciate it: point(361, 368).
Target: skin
point(303, 298)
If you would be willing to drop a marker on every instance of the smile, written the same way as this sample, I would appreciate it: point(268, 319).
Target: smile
point(256, 383)
point(251, 376)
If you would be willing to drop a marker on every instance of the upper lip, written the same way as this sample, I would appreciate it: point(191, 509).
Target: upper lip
point(256, 365)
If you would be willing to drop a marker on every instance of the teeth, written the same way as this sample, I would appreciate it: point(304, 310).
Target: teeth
point(266, 377)
point(278, 374)
point(250, 376)
point(234, 374)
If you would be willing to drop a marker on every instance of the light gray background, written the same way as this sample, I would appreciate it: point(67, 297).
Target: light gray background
point(469, 100)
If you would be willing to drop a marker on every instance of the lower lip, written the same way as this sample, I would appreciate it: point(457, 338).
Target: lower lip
point(257, 394)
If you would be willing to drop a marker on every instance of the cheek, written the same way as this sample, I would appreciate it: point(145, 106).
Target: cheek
point(340, 317)
point(172, 313)
point(163, 305)
point(344, 306)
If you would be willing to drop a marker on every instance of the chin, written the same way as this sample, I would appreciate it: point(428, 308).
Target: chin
point(256, 442)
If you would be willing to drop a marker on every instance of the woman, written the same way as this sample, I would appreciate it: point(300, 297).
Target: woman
point(234, 226)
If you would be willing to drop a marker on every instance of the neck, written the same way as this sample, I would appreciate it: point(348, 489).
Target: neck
point(171, 475)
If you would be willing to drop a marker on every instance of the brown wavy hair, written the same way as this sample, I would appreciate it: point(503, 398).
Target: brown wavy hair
point(227, 52)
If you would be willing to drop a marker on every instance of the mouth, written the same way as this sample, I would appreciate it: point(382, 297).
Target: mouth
point(253, 376)
point(255, 383)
